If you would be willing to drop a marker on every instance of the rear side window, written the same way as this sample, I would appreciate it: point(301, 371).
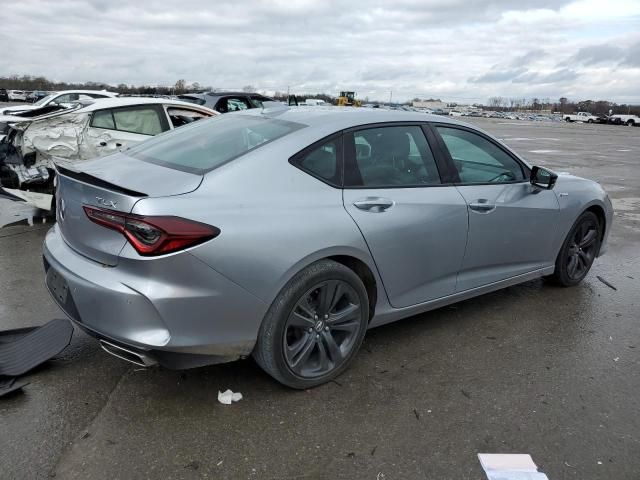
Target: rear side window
point(140, 120)
point(207, 144)
point(322, 161)
point(103, 119)
point(393, 156)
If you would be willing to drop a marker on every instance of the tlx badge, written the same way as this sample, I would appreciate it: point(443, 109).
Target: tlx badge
point(106, 203)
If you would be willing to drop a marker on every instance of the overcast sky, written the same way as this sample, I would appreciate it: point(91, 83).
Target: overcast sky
point(457, 50)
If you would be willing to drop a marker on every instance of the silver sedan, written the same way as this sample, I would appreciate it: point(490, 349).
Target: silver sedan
point(287, 233)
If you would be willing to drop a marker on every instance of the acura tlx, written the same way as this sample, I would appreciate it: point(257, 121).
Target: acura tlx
point(286, 233)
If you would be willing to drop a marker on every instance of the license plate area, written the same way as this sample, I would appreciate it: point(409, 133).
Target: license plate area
point(57, 286)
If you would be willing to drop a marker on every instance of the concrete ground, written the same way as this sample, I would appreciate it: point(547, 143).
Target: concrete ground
point(531, 369)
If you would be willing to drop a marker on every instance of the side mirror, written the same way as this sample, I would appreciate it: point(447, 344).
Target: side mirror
point(542, 178)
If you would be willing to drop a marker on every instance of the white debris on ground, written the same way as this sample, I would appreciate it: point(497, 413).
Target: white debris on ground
point(505, 466)
point(228, 397)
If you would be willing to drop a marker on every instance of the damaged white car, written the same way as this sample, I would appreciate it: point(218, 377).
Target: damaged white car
point(81, 132)
point(60, 98)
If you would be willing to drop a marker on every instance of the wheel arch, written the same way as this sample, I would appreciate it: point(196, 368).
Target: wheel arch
point(366, 275)
point(602, 218)
point(356, 260)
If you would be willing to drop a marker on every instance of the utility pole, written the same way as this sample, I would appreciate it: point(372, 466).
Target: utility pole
point(390, 96)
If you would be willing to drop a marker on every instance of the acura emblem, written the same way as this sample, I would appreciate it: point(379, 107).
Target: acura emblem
point(61, 208)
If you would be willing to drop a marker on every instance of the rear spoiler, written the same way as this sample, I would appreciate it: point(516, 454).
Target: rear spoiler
point(91, 180)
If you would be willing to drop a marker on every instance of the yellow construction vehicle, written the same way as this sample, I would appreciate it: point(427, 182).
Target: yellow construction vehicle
point(348, 99)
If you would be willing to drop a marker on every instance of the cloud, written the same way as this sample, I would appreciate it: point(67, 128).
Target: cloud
point(527, 58)
point(452, 49)
point(499, 75)
point(539, 78)
point(596, 54)
point(632, 56)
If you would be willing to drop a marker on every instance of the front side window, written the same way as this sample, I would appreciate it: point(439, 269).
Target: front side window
point(391, 157)
point(321, 161)
point(236, 104)
point(145, 121)
point(478, 160)
point(180, 116)
point(207, 144)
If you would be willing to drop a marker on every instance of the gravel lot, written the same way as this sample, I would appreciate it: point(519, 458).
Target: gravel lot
point(530, 369)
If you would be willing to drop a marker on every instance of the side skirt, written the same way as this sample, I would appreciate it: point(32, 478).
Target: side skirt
point(387, 314)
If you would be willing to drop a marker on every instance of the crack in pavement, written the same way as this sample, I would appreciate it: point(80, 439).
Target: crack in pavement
point(82, 434)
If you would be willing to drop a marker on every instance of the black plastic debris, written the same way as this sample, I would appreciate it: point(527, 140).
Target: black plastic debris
point(606, 283)
point(23, 349)
point(11, 384)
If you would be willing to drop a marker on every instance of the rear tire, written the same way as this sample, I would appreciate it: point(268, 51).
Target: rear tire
point(314, 327)
point(578, 251)
point(630, 123)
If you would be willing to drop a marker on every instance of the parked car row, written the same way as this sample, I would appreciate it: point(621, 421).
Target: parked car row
point(60, 98)
point(22, 95)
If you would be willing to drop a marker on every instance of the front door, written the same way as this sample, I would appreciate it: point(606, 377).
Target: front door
point(415, 227)
point(511, 223)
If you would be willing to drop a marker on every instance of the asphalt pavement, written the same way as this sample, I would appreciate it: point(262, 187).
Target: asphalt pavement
point(531, 369)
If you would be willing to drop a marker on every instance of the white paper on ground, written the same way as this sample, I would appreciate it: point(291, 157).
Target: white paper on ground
point(500, 466)
point(227, 397)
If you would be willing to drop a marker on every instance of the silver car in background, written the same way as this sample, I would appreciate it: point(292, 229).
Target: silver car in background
point(286, 233)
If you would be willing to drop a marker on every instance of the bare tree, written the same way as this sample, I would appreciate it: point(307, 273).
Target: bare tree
point(180, 85)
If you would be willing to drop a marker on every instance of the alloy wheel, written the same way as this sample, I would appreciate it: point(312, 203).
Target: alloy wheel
point(582, 249)
point(322, 329)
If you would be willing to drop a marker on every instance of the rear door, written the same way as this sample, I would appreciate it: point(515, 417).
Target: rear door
point(115, 129)
point(414, 223)
point(511, 223)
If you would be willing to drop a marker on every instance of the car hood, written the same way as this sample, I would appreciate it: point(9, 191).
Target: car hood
point(18, 108)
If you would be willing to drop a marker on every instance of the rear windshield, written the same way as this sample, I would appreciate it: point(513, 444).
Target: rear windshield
point(190, 99)
point(207, 144)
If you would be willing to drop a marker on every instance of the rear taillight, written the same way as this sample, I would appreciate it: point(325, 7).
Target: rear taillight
point(153, 235)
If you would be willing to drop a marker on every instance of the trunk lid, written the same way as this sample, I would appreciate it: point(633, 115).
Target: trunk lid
point(115, 183)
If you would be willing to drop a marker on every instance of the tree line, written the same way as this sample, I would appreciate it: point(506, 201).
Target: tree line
point(562, 105)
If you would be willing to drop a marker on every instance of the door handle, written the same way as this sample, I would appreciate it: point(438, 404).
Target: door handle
point(102, 144)
point(373, 204)
point(482, 206)
point(118, 144)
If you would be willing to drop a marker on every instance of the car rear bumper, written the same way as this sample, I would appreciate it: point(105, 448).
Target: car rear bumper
point(174, 309)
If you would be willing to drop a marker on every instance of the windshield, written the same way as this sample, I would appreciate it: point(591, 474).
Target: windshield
point(207, 144)
point(44, 100)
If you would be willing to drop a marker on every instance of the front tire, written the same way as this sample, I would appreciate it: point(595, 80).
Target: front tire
point(630, 123)
point(578, 251)
point(314, 327)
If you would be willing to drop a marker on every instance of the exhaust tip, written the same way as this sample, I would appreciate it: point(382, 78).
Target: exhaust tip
point(127, 355)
